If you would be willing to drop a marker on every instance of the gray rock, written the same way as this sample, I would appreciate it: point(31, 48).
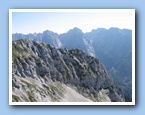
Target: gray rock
point(45, 64)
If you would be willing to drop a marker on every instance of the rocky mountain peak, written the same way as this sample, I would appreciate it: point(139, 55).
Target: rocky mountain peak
point(44, 73)
point(75, 30)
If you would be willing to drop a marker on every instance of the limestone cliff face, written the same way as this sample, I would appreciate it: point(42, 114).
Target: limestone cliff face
point(41, 72)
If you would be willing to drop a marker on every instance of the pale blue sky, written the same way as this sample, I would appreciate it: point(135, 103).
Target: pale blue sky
point(60, 22)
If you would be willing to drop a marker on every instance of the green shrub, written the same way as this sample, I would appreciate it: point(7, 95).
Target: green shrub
point(15, 98)
point(28, 84)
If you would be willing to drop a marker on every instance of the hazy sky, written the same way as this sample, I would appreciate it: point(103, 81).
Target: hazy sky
point(60, 22)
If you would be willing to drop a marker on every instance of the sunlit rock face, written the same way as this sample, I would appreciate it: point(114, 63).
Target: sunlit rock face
point(42, 73)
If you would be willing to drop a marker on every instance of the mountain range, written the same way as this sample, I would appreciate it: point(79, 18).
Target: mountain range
point(113, 48)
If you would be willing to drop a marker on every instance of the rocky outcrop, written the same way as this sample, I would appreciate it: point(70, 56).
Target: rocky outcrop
point(41, 72)
point(113, 47)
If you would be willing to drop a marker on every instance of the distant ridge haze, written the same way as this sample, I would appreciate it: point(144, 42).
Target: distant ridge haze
point(38, 32)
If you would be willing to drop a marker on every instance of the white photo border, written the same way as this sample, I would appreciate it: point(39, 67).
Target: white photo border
point(71, 10)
